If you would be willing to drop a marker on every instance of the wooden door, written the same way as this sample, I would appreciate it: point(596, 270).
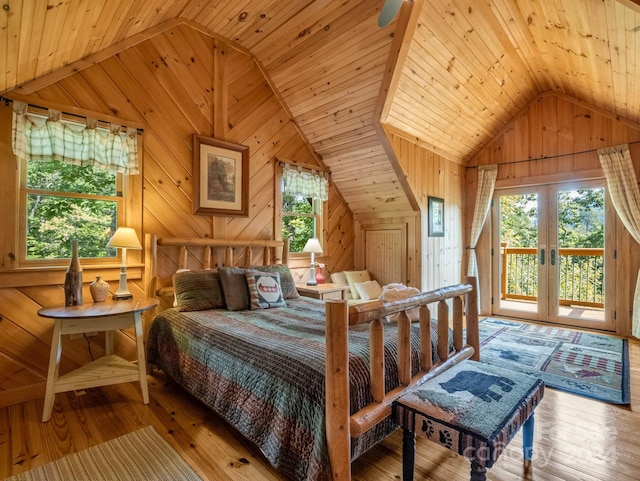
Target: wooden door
point(385, 252)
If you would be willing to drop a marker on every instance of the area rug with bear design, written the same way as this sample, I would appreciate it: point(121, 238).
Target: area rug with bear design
point(591, 365)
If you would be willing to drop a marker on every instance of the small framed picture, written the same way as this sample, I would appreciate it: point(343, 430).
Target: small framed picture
point(220, 177)
point(436, 217)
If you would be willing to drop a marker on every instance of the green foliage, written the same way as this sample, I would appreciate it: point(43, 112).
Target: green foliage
point(519, 220)
point(298, 228)
point(580, 225)
point(56, 215)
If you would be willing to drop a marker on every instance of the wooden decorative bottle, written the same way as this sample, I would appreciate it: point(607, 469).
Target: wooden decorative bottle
point(73, 279)
point(99, 289)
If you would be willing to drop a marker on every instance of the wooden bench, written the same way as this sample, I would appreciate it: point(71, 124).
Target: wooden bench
point(473, 409)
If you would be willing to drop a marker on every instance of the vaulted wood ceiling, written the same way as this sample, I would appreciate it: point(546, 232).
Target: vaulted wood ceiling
point(466, 70)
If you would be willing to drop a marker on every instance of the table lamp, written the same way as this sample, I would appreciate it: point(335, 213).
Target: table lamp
point(124, 238)
point(313, 246)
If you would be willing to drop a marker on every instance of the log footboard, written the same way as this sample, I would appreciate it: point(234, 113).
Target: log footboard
point(341, 426)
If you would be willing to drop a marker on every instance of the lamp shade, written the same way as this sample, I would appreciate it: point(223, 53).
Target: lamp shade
point(313, 245)
point(124, 237)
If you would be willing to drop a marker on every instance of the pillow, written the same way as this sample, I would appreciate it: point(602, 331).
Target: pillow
point(234, 288)
point(353, 277)
point(287, 284)
point(264, 289)
point(369, 290)
point(339, 278)
point(198, 290)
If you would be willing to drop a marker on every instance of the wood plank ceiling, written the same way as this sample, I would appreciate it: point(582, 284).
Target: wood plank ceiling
point(470, 66)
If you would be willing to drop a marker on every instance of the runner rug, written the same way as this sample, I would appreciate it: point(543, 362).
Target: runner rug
point(139, 456)
point(582, 363)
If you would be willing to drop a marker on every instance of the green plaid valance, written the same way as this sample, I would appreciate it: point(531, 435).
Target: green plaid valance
point(38, 138)
point(307, 184)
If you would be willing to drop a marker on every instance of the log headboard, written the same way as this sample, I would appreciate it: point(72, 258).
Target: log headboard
point(206, 253)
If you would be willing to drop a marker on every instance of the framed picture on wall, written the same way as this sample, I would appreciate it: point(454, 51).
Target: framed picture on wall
point(436, 217)
point(220, 177)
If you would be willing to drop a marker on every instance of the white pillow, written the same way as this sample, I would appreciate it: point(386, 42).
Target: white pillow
point(369, 290)
point(353, 277)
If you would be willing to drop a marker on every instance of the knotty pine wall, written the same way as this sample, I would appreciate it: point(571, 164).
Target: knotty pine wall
point(432, 261)
point(175, 84)
point(558, 125)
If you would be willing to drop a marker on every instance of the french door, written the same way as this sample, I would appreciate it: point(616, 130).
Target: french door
point(551, 255)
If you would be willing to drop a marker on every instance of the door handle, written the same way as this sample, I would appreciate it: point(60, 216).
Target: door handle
point(553, 257)
point(541, 257)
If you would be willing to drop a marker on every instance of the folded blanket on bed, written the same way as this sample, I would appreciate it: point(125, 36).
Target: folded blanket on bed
point(394, 292)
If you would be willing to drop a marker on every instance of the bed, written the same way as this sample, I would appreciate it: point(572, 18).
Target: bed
point(310, 383)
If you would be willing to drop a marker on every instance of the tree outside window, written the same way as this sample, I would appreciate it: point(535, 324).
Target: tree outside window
point(65, 202)
point(299, 220)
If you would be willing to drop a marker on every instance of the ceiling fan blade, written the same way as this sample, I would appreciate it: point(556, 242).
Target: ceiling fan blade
point(388, 12)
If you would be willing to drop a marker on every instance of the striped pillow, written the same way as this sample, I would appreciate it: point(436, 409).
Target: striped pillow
point(198, 290)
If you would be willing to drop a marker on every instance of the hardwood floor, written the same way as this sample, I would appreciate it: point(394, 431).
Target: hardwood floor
point(576, 438)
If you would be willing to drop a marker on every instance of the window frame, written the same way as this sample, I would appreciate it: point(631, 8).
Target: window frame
point(25, 191)
point(320, 214)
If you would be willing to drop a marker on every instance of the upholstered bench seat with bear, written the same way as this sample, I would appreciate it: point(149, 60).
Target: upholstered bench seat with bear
point(473, 409)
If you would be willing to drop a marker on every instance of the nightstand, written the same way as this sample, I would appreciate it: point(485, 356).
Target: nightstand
point(109, 369)
point(323, 291)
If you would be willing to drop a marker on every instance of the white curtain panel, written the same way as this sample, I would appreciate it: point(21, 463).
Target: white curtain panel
point(486, 183)
point(487, 175)
point(625, 195)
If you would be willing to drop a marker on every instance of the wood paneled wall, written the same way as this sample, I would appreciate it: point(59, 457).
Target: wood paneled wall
point(432, 262)
point(177, 83)
point(555, 140)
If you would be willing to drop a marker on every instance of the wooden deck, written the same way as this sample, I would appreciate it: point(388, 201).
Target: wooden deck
point(576, 438)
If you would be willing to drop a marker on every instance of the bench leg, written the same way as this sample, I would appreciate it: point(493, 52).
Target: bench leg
point(408, 454)
point(527, 442)
point(478, 472)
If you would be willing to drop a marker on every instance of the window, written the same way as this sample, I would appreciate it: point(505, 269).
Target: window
point(72, 178)
point(301, 220)
point(64, 202)
point(303, 194)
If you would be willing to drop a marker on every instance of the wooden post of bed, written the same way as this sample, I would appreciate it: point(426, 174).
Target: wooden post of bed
point(337, 390)
point(340, 424)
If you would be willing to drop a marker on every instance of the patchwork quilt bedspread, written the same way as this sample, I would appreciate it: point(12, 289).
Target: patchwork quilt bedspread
point(263, 371)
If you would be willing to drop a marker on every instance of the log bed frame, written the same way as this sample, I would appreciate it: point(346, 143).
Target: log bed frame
point(341, 426)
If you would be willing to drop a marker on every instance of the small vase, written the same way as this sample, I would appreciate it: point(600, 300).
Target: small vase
point(319, 277)
point(73, 279)
point(99, 289)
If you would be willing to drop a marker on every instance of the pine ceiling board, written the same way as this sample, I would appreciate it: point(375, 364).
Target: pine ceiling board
point(224, 15)
point(54, 20)
point(505, 66)
point(27, 44)
point(327, 44)
point(514, 25)
point(107, 27)
point(74, 21)
point(437, 111)
point(203, 50)
point(479, 63)
point(7, 63)
point(308, 19)
point(617, 46)
point(98, 26)
point(632, 24)
point(339, 100)
point(256, 28)
point(329, 23)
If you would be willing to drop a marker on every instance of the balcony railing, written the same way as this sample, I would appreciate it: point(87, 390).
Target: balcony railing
point(580, 275)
